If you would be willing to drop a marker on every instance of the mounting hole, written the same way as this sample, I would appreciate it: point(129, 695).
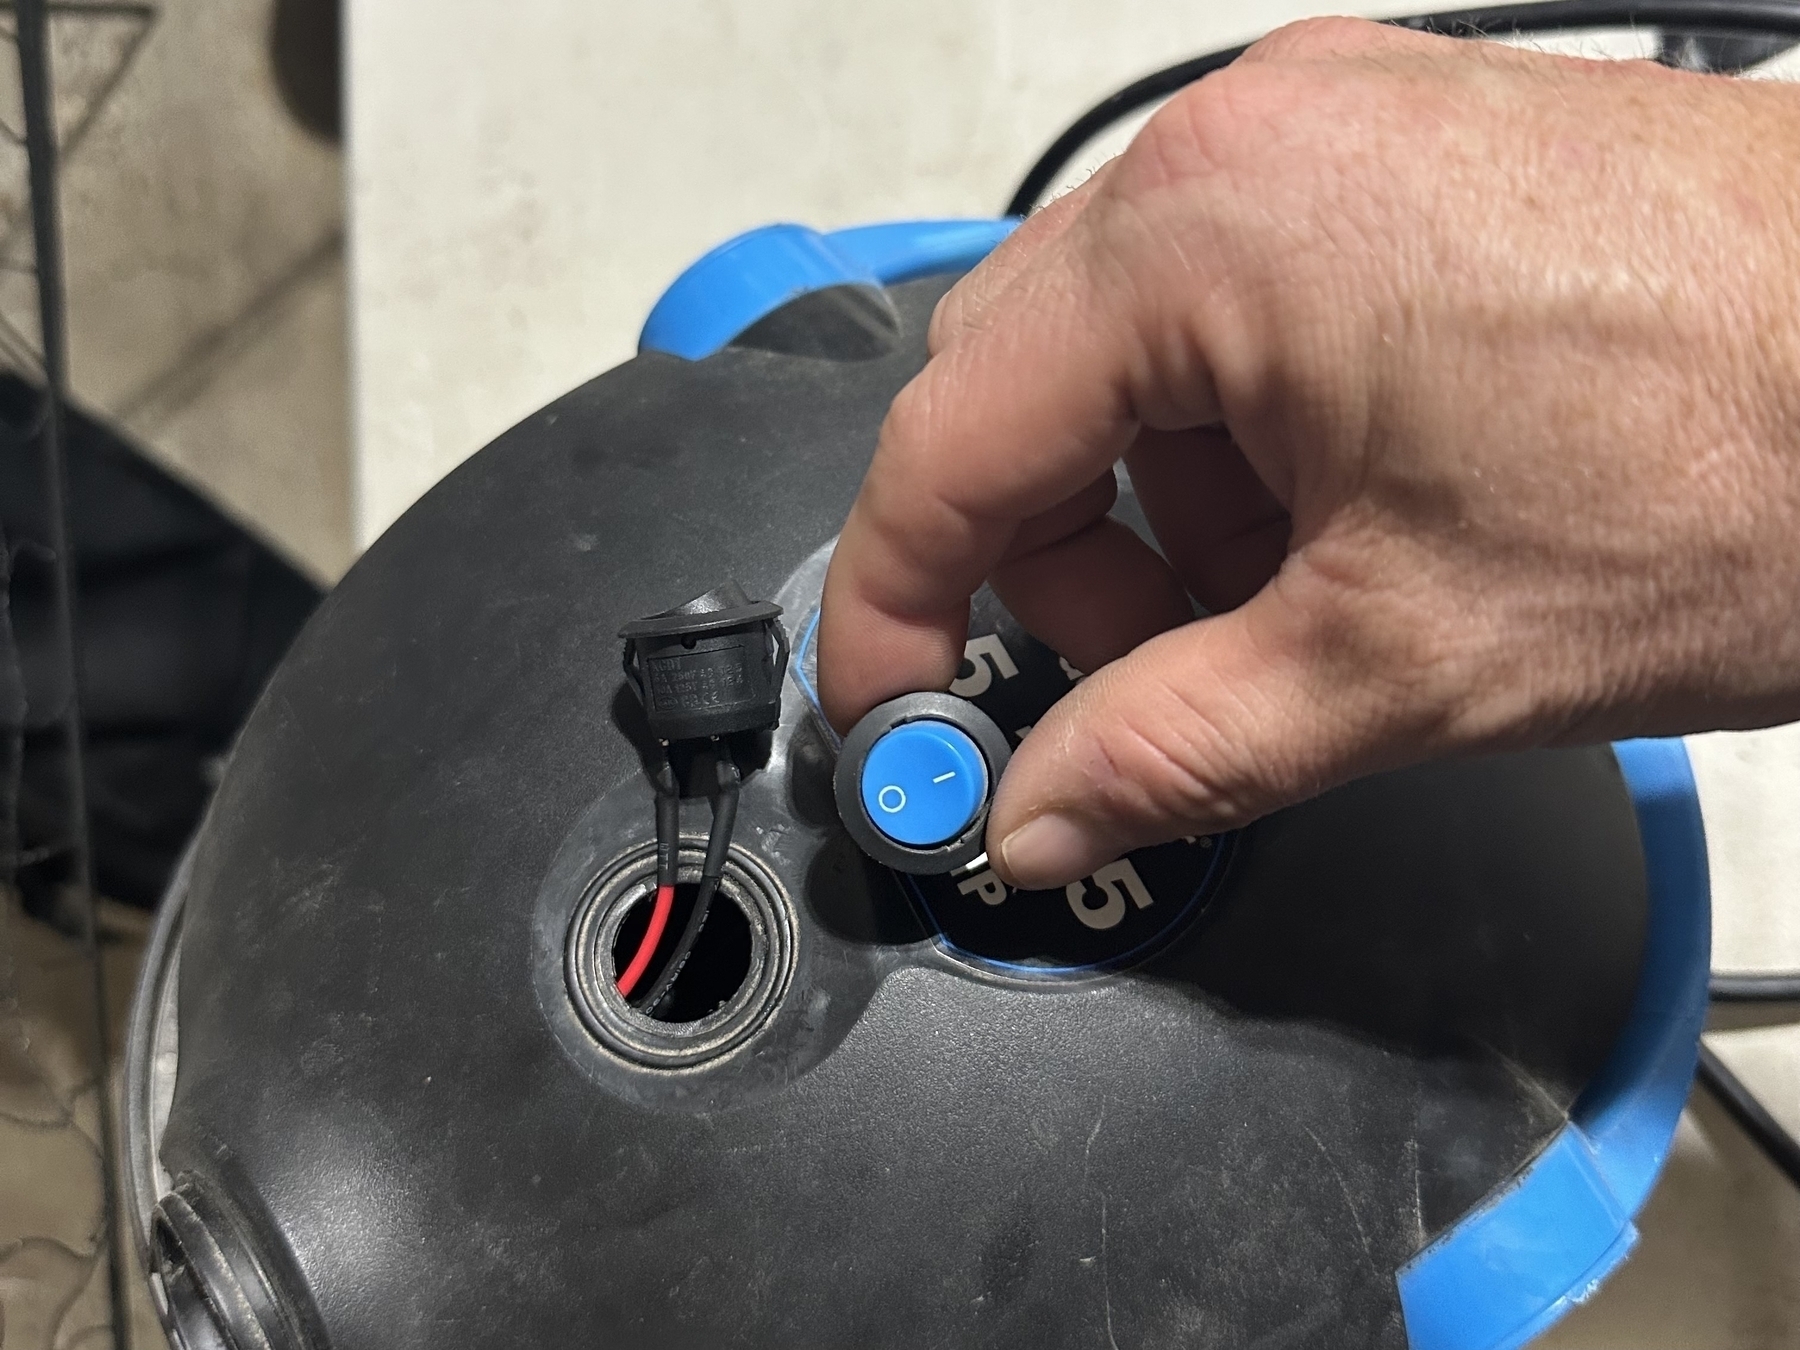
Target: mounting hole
point(715, 969)
point(735, 975)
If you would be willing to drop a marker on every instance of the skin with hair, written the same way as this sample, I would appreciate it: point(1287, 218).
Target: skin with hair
point(1460, 385)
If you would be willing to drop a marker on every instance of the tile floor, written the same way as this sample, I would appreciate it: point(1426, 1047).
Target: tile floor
point(53, 1273)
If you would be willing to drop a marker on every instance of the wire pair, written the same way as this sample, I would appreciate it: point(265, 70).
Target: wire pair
point(727, 784)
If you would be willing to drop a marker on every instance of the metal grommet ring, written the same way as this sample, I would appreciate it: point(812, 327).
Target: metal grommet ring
point(592, 982)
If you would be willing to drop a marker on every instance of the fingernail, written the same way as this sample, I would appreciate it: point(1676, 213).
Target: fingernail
point(1048, 850)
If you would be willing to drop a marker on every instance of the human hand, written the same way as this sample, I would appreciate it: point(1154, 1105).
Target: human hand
point(1460, 384)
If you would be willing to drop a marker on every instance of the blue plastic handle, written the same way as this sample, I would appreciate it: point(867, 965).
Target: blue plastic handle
point(756, 273)
point(1543, 1243)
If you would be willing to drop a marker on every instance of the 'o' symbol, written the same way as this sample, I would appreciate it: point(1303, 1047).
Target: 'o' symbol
point(881, 799)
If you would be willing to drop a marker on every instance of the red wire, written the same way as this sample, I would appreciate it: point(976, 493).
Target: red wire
point(659, 920)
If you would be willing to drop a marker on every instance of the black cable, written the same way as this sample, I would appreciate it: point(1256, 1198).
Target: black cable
point(1771, 987)
point(1753, 17)
point(668, 822)
point(1718, 53)
point(32, 33)
point(718, 845)
point(1112, 109)
point(1765, 1131)
point(1777, 1145)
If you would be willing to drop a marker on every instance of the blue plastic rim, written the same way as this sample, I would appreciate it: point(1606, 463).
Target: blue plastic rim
point(756, 273)
point(1544, 1243)
point(1547, 1240)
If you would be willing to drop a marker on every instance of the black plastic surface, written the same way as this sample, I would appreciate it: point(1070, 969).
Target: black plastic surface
point(1385, 1008)
point(838, 323)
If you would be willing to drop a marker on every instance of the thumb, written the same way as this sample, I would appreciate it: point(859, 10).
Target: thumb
point(1201, 729)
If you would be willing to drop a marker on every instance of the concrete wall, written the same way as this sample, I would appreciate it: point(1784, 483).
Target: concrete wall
point(527, 177)
point(203, 231)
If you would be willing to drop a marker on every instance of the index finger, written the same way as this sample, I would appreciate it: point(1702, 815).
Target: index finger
point(967, 304)
point(1008, 419)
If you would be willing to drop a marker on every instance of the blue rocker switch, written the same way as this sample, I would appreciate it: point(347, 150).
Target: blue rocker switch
point(914, 779)
point(923, 782)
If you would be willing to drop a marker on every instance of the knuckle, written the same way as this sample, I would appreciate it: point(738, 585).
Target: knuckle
point(946, 318)
point(917, 442)
point(1313, 39)
point(909, 417)
point(1226, 123)
point(1197, 131)
point(1274, 95)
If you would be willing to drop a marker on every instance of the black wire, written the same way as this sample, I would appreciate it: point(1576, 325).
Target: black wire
point(1772, 987)
point(1718, 53)
point(718, 845)
point(1724, 16)
point(1113, 108)
point(668, 822)
point(1765, 1131)
point(32, 33)
point(1761, 17)
point(1777, 1145)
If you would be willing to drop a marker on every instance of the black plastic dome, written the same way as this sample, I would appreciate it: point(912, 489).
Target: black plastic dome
point(925, 1113)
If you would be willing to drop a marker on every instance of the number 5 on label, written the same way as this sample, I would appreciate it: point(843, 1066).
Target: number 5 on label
point(1115, 882)
point(987, 654)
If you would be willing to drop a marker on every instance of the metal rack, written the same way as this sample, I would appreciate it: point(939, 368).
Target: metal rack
point(77, 903)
